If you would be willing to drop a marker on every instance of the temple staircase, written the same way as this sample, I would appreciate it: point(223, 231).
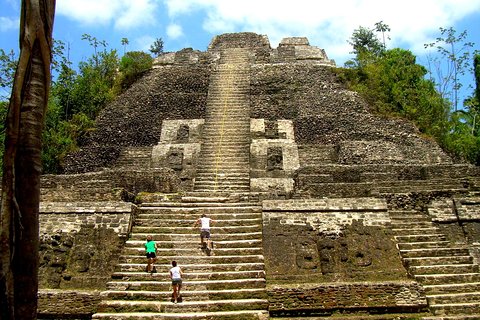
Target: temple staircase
point(228, 283)
point(224, 164)
point(447, 272)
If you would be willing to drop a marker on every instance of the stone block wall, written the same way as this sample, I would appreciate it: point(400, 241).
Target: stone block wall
point(273, 157)
point(459, 220)
point(81, 304)
point(66, 217)
point(366, 152)
point(325, 299)
point(325, 240)
point(179, 149)
point(80, 243)
point(298, 49)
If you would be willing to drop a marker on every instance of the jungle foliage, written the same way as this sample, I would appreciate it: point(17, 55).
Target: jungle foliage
point(77, 94)
point(395, 85)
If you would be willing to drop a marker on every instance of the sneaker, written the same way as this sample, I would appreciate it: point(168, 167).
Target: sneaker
point(154, 269)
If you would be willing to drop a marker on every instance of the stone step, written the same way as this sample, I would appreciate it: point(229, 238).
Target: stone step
point(253, 243)
point(222, 156)
point(229, 167)
point(192, 285)
point(227, 130)
point(414, 231)
point(224, 315)
point(225, 78)
point(189, 275)
point(140, 267)
point(220, 169)
point(232, 124)
point(436, 279)
point(422, 245)
point(199, 295)
point(409, 216)
point(219, 151)
point(235, 88)
point(195, 236)
point(223, 176)
point(194, 230)
point(426, 261)
point(397, 224)
point(420, 237)
point(448, 298)
point(234, 148)
point(230, 172)
point(434, 252)
point(166, 252)
point(213, 170)
point(456, 308)
point(445, 269)
point(198, 205)
point(185, 306)
point(215, 215)
point(452, 288)
point(455, 317)
point(188, 259)
point(218, 112)
point(221, 187)
point(168, 221)
point(218, 106)
point(200, 181)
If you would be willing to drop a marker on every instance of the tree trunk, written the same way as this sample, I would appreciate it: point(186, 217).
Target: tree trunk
point(19, 228)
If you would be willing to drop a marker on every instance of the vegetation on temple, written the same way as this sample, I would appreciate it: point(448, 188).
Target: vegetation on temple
point(77, 93)
point(390, 80)
point(395, 85)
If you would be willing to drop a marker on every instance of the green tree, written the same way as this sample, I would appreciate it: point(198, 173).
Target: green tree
point(8, 63)
point(132, 65)
point(453, 61)
point(89, 90)
point(382, 27)
point(95, 43)
point(476, 68)
point(19, 227)
point(61, 137)
point(366, 47)
point(157, 47)
point(124, 44)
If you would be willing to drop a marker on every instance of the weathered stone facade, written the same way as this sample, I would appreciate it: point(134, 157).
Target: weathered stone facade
point(352, 205)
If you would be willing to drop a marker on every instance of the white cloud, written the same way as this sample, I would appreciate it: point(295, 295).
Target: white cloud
point(7, 23)
point(123, 13)
point(174, 31)
point(327, 24)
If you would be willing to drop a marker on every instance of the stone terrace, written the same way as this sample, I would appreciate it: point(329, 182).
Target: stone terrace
point(324, 209)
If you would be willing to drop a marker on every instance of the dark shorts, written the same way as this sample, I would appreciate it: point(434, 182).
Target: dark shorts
point(151, 255)
point(177, 282)
point(205, 234)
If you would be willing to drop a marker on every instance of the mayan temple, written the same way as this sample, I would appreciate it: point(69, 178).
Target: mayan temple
point(321, 208)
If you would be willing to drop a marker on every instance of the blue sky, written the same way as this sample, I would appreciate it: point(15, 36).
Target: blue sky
point(193, 23)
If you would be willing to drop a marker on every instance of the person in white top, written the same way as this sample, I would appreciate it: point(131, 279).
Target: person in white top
point(204, 223)
point(176, 276)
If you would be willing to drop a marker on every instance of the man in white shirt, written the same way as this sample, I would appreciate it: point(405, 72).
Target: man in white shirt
point(204, 223)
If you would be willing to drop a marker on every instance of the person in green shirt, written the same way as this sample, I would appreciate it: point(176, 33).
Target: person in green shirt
point(151, 250)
